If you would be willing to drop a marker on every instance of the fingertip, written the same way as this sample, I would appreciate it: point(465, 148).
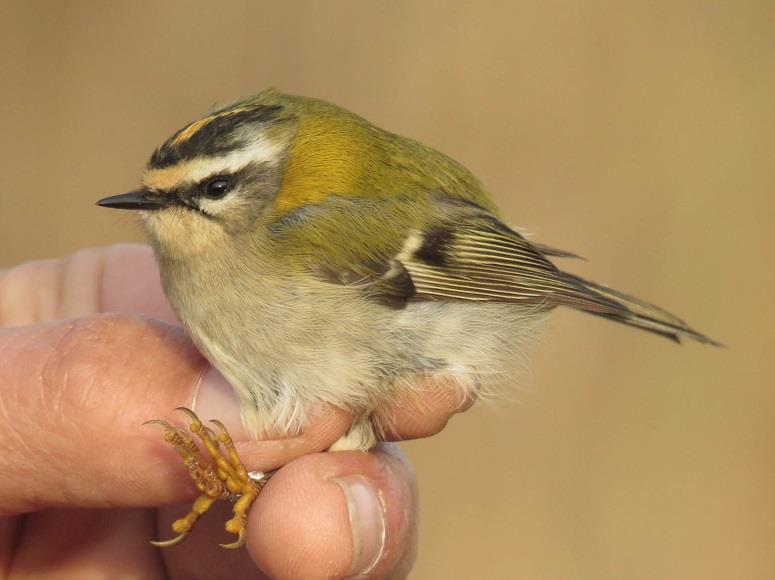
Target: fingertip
point(299, 527)
point(426, 410)
point(343, 514)
point(131, 282)
point(275, 449)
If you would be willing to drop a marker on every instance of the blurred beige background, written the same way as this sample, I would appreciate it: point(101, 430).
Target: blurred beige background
point(639, 134)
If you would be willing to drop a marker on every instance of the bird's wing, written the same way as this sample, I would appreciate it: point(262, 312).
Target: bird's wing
point(479, 259)
point(475, 260)
point(445, 251)
point(464, 253)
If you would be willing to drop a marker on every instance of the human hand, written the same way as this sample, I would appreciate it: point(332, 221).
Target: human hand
point(80, 471)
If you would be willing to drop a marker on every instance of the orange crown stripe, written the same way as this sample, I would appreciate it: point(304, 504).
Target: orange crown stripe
point(196, 126)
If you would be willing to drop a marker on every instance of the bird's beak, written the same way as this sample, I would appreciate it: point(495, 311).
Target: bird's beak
point(140, 199)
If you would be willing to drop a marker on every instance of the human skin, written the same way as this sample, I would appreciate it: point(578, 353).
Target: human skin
point(89, 350)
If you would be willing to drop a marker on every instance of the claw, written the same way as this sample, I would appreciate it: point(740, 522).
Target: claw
point(171, 542)
point(171, 432)
point(190, 413)
point(223, 433)
point(158, 422)
point(241, 536)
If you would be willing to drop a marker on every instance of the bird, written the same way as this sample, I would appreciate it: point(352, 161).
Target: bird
point(313, 258)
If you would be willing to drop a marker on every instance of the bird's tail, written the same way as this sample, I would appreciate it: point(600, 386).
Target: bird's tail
point(608, 303)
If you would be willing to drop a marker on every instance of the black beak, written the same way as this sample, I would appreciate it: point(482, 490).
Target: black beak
point(140, 199)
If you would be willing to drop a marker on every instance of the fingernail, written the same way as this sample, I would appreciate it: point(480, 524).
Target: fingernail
point(214, 398)
point(367, 522)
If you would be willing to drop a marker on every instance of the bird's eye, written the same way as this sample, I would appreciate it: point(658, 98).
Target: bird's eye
point(217, 187)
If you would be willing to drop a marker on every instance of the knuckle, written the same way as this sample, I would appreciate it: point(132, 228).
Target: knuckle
point(29, 292)
point(89, 355)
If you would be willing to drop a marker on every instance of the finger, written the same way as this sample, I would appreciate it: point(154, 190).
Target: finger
point(327, 515)
point(74, 396)
point(337, 514)
point(215, 399)
point(426, 410)
point(131, 283)
point(115, 278)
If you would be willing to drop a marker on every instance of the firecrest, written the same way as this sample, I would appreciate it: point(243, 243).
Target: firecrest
point(313, 257)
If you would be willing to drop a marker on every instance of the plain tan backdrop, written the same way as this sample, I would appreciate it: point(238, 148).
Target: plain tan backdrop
point(639, 134)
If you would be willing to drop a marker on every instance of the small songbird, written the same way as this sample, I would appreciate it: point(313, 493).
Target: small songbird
point(313, 257)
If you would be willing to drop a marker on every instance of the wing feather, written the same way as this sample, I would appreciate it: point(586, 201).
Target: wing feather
point(463, 253)
point(482, 260)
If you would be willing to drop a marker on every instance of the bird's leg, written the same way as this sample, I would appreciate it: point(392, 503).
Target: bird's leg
point(207, 482)
point(246, 485)
point(224, 478)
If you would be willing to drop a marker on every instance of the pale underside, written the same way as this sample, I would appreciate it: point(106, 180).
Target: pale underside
point(357, 354)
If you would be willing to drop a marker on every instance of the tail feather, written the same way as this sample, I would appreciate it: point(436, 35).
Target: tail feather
point(608, 303)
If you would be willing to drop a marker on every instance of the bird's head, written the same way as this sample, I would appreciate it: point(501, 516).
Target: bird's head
point(243, 166)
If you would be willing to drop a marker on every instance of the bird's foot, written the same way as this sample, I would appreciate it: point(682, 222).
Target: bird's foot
point(223, 477)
